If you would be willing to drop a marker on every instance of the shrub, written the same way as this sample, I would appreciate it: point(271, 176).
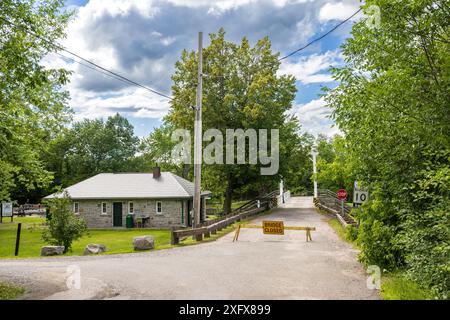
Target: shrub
point(351, 233)
point(64, 227)
point(427, 241)
point(377, 236)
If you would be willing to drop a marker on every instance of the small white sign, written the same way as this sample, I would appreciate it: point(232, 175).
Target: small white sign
point(360, 196)
point(7, 209)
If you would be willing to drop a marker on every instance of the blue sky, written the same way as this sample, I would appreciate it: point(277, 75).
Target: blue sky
point(142, 39)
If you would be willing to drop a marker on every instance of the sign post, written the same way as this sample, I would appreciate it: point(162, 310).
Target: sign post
point(342, 195)
point(19, 228)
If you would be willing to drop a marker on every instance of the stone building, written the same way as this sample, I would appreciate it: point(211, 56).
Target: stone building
point(158, 199)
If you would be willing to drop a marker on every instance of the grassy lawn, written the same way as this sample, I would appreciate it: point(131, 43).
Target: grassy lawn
point(398, 287)
point(116, 241)
point(234, 204)
point(338, 228)
point(9, 291)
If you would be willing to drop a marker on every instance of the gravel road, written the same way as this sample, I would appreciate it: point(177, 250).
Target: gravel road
point(256, 267)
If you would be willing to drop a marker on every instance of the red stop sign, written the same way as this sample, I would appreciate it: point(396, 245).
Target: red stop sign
point(341, 194)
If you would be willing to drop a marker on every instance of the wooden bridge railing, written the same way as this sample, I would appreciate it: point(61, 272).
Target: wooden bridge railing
point(328, 201)
point(212, 226)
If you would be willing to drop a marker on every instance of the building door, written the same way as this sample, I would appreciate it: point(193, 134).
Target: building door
point(117, 214)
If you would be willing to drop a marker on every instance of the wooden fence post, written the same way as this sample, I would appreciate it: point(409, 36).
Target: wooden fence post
point(173, 236)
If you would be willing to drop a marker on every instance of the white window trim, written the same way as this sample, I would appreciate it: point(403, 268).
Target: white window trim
point(106, 208)
point(77, 205)
point(129, 211)
point(156, 208)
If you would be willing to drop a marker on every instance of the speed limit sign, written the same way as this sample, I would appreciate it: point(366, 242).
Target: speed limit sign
point(359, 196)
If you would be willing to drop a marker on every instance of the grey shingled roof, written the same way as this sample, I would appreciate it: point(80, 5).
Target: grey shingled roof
point(131, 186)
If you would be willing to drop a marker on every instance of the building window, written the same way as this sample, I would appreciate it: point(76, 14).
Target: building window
point(158, 207)
point(104, 211)
point(130, 207)
point(76, 208)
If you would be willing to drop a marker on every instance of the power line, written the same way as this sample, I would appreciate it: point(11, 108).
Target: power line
point(121, 78)
point(92, 68)
point(322, 36)
point(116, 75)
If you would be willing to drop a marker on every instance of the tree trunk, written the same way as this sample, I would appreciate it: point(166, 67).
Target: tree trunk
point(185, 173)
point(228, 195)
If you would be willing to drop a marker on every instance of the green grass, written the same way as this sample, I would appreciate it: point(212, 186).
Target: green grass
point(9, 291)
point(341, 232)
point(116, 241)
point(237, 204)
point(234, 204)
point(397, 287)
point(338, 228)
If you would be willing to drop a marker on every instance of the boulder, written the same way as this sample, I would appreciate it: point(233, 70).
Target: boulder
point(143, 243)
point(52, 250)
point(93, 248)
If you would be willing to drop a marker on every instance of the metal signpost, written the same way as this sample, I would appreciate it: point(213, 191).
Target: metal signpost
point(342, 195)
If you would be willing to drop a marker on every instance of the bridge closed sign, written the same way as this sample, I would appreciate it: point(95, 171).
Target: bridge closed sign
point(273, 227)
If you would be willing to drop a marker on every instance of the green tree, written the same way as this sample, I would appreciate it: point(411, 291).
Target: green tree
point(63, 227)
point(241, 90)
point(334, 164)
point(32, 102)
point(393, 106)
point(91, 147)
point(157, 148)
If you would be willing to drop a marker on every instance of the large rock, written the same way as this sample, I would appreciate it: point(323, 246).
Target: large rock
point(93, 248)
point(143, 243)
point(52, 250)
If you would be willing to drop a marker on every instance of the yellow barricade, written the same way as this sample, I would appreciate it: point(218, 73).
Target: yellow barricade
point(273, 227)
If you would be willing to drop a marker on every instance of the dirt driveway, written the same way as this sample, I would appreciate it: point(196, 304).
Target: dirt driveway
point(256, 267)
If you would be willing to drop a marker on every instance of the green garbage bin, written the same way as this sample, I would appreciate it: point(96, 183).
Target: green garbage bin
point(129, 222)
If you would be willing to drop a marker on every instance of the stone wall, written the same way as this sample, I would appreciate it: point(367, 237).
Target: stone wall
point(171, 216)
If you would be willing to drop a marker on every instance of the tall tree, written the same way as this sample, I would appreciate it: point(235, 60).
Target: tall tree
point(241, 89)
point(32, 102)
point(156, 149)
point(393, 106)
point(91, 147)
point(334, 165)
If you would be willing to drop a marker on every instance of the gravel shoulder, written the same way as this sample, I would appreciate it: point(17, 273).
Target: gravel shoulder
point(256, 267)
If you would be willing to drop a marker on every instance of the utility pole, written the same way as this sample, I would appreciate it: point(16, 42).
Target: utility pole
point(314, 154)
point(198, 138)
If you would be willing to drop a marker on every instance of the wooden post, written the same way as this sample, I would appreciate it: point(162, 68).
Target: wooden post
point(19, 228)
point(173, 236)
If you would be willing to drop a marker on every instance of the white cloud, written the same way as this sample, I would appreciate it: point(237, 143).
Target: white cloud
point(338, 11)
point(312, 68)
point(134, 102)
point(142, 39)
point(314, 117)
